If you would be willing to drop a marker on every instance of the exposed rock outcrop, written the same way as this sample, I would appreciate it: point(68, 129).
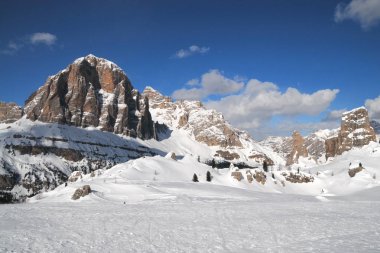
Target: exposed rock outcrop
point(354, 171)
point(207, 126)
point(237, 175)
point(298, 149)
point(75, 176)
point(81, 192)
point(298, 178)
point(92, 92)
point(227, 155)
point(10, 112)
point(314, 143)
point(355, 131)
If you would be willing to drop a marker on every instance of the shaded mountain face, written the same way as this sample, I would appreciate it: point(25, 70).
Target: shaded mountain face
point(355, 131)
point(92, 92)
point(375, 125)
point(10, 112)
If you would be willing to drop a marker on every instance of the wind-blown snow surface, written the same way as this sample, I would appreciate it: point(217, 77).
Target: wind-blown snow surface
point(151, 205)
point(191, 217)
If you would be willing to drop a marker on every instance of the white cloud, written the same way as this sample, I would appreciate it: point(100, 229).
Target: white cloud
point(252, 105)
point(43, 38)
point(260, 102)
point(263, 100)
point(366, 12)
point(211, 83)
point(193, 82)
point(194, 49)
point(373, 106)
point(47, 39)
point(12, 48)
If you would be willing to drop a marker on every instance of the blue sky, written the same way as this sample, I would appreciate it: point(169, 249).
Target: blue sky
point(309, 45)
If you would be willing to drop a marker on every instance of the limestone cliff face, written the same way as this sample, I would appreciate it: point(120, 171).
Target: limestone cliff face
point(355, 131)
point(298, 149)
point(91, 92)
point(207, 126)
point(10, 112)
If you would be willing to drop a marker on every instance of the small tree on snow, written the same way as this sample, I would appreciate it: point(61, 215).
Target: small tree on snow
point(213, 164)
point(265, 166)
point(208, 176)
point(195, 178)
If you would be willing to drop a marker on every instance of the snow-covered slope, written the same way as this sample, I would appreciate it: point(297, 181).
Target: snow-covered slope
point(36, 156)
point(129, 181)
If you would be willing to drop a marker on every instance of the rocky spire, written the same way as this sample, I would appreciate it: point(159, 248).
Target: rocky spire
point(91, 91)
point(355, 131)
point(298, 148)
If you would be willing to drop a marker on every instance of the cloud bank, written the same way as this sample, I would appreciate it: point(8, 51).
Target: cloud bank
point(211, 83)
point(373, 106)
point(365, 12)
point(251, 105)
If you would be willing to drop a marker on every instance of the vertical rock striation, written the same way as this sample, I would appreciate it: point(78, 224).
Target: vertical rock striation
point(94, 92)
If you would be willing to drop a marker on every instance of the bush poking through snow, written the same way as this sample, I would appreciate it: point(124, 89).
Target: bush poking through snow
point(81, 192)
point(195, 178)
point(208, 176)
point(265, 166)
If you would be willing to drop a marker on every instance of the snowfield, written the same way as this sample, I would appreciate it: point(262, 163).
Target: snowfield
point(151, 205)
point(191, 217)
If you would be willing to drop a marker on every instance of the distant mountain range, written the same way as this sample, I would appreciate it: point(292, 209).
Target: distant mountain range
point(89, 117)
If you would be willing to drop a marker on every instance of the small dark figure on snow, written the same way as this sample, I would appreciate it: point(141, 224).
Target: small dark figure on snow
point(195, 178)
point(208, 176)
point(66, 184)
point(265, 166)
point(213, 164)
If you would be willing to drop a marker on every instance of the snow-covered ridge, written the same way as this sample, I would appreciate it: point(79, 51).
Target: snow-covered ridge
point(209, 127)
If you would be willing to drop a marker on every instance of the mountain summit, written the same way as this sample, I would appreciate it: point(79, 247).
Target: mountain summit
point(92, 91)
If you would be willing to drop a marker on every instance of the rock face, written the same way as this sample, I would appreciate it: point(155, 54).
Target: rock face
point(10, 112)
point(355, 131)
point(92, 92)
point(81, 192)
point(314, 143)
point(208, 127)
point(298, 148)
point(375, 125)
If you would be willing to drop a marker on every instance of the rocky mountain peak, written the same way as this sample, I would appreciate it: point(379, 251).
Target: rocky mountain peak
point(91, 91)
point(355, 131)
point(298, 148)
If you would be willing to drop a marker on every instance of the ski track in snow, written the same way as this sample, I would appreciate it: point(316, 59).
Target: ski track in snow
point(195, 219)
